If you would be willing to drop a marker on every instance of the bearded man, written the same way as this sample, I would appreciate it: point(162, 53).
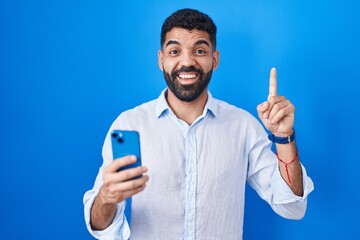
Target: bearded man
point(197, 152)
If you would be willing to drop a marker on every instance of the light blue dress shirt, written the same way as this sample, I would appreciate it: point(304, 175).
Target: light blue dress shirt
point(197, 174)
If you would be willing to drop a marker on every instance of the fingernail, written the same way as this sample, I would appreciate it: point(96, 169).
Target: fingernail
point(133, 158)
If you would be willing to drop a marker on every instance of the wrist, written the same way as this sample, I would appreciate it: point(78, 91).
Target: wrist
point(283, 134)
point(282, 138)
point(103, 200)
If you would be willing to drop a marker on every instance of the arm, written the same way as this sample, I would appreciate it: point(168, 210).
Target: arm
point(116, 188)
point(290, 167)
point(277, 115)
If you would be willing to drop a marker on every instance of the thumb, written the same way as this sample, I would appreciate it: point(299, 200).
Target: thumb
point(262, 107)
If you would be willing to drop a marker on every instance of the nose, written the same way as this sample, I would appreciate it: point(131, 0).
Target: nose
point(187, 59)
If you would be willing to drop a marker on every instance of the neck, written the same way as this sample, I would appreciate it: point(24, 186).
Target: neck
point(187, 111)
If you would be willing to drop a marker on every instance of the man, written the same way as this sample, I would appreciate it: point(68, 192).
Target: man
point(199, 151)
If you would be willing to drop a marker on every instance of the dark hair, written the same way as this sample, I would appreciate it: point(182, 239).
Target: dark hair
point(189, 19)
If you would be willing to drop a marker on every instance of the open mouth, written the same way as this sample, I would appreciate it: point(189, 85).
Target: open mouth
point(187, 75)
point(187, 78)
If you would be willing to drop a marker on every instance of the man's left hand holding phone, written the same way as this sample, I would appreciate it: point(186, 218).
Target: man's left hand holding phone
point(122, 178)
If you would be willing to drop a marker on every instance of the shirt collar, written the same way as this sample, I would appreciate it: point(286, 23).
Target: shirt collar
point(162, 106)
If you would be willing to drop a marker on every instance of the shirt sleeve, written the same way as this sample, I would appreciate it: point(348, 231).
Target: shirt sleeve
point(264, 176)
point(284, 201)
point(119, 228)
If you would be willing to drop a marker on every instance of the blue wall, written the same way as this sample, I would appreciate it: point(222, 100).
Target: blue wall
point(68, 68)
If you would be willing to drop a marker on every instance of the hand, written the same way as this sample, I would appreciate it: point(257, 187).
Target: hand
point(120, 185)
point(277, 113)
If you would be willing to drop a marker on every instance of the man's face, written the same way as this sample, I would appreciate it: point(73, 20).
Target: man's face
point(187, 60)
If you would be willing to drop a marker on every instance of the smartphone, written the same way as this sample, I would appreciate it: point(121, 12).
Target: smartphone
point(126, 143)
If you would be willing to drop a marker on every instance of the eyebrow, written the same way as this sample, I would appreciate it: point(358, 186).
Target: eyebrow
point(172, 42)
point(199, 42)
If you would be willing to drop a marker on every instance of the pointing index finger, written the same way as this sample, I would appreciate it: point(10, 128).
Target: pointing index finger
point(273, 83)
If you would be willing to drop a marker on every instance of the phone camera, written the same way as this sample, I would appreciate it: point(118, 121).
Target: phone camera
point(119, 137)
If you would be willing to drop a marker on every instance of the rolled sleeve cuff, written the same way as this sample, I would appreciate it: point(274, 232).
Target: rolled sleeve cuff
point(283, 193)
point(118, 229)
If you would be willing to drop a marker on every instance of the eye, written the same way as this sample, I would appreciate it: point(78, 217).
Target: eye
point(173, 52)
point(200, 52)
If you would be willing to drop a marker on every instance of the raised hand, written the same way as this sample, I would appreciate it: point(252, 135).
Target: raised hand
point(277, 113)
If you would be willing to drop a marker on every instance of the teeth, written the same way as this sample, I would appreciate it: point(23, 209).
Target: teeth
point(187, 75)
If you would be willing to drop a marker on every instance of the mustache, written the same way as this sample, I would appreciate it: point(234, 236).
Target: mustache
point(187, 69)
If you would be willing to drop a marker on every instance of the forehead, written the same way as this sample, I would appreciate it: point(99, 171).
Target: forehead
point(186, 37)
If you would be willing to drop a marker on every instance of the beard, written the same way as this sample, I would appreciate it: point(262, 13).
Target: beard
point(187, 92)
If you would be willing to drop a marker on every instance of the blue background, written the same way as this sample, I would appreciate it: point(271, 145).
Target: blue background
point(68, 68)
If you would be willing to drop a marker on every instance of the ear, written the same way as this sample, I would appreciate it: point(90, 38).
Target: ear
point(160, 59)
point(216, 59)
